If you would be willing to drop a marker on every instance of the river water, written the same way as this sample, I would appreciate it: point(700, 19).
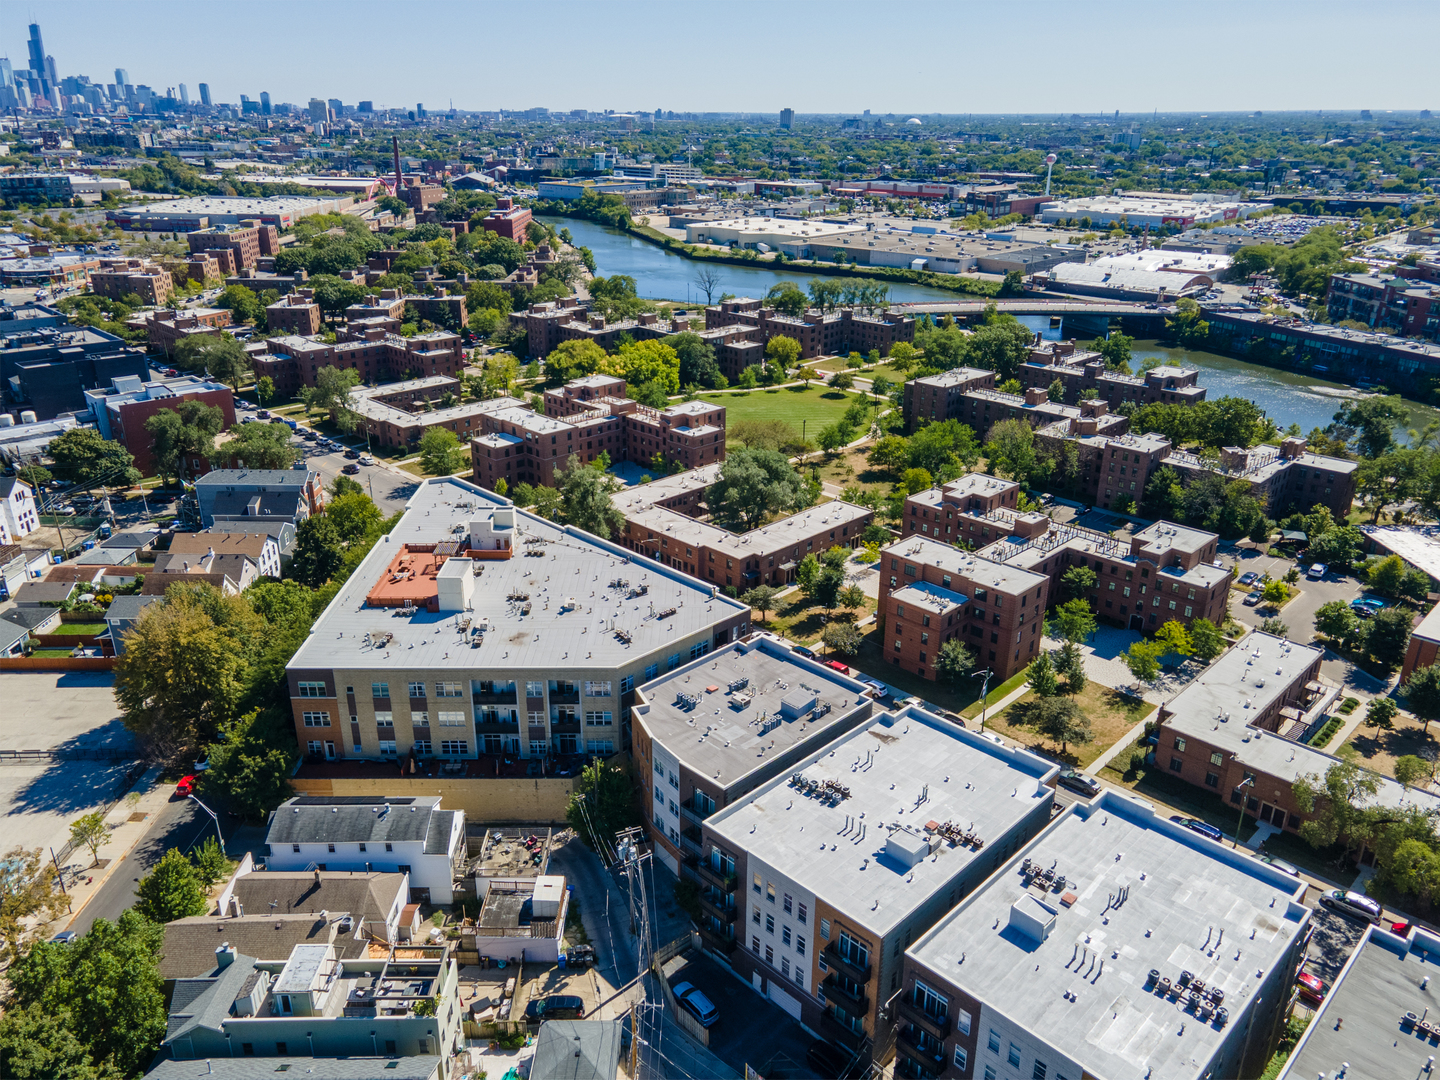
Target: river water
point(1285, 396)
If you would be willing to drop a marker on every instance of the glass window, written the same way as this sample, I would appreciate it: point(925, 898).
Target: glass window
point(417, 689)
point(961, 1058)
point(770, 891)
point(800, 944)
point(933, 1003)
point(786, 903)
point(824, 926)
point(451, 719)
point(311, 689)
point(1013, 1057)
point(801, 913)
point(1176, 764)
point(1038, 1073)
point(384, 719)
point(387, 746)
point(755, 885)
point(785, 935)
point(448, 689)
point(989, 1072)
point(769, 924)
point(380, 689)
point(1179, 743)
point(769, 954)
point(1217, 758)
point(534, 689)
point(627, 684)
point(316, 719)
point(598, 689)
point(993, 1042)
point(454, 746)
point(962, 1022)
point(422, 747)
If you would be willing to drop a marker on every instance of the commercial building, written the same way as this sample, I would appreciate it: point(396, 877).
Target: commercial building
point(941, 253)
point(1178, 212)
point(712, 731)
point(572, 190)
point(768, 233)
point(1246, 721)
point(58, 187)
point(120, 413)
point(279, 495)
point(507, 220)
point(315, 1007)
point(47, 271)
point(119, 278)
point(205, 211)
point(1163, 261)
point(1404, 306)
point(47, 370)
point(407, 835)
point(1192, 952)
point(377, 355)
point(814, 911)
point(1369, 1024)
point(1157, 286)
point(471, 609)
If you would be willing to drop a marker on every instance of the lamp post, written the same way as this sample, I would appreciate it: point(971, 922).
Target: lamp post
point(213, 818)
point(1249, 781)
point(986, 676)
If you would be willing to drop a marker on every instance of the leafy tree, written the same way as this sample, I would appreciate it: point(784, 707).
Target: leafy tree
point(1340, 806)
point(1175, 638)
point(913, 480)
point(697, 360)
point(1206, 640)
point(1010, 450)
point(954, 661)
point(1116, 350)
point(37, 476)
point(318, 555)
point(1388, 575)
point(1410, 770)
point(1187, 327)
point(1061, 719)
point(783, 352)
point(890, 453)
point(1337, 621)
point(851, 597)
point(944, 449)
point(181, 434)
point(264, 390)
point(171, 890)
point(36, 1044)
point(1275, 592)
point(29, 898)
point(1275, 627)
point(841, 637)
point(211, 864)
point(585, 495)
point(1056, 391)
point(252, 766)
point(574, 360)
point(1000, 346)
point(752, 485)
point(90, 831)
point(353, 515)
point(1339, 547)
point(842, 380)
point(219, 355)
point(1368, 424)
point(1074, 620)
point(1070, 666)
point(1077, 582)
point(1381, 713)
point(1041, 676)
point(86, 458)
point(642, 363)
point(761, 598)
point(257, 445)
point(108, 981)
point(440, 452)
point(787, 298)
point(1422, 694)
point(331, 394)
point(603, 803)
point(1143, 659)
point(243, 304)
point(1387, 635)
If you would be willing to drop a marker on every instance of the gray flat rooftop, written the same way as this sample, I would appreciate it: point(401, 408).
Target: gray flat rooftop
point(1184, 889)
point(984, 572)
point(902, 771)
point(727, 734)
point(1380, 984)
point(574, 564)
point(954, 377)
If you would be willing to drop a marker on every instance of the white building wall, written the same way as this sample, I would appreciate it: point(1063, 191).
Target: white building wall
point(431, 872)
point(798, 955)
point(665, 809)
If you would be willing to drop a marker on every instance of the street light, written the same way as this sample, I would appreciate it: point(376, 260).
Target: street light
point(213, 818)
point(984, 691)
point(1247, 782)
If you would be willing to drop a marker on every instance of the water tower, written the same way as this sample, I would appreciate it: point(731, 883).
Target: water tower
point(1050, 160)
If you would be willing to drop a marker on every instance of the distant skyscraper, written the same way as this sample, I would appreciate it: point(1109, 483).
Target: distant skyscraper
point(336, 106)
point(204, 93)
point(319, 111)
point(420, 110)
point(122, 77)
point(184, 95)
point(7, 73)
point(787, 118)
point(265, 102)
point(367, 106)
point(37, 58)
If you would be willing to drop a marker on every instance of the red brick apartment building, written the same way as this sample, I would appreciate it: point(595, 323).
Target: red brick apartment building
point(236, 247)
point(507, 220)
point(294, 313)
point(119, 278)
point(294, 361)
point(121, 412)
point(166, 329)
point(1080, 370)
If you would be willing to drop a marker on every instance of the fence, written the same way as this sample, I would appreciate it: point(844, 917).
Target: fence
point(678, 1013)
point(126, 782)
point(104, 753)
point(57, 663)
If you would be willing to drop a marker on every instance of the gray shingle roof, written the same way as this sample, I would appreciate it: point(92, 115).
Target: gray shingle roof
point(418, 1067)
point(576, 1050)
point(129, 607)
point(437, 840)
point(189, 948)
point(205, 1002)
point(348, 820)
point(364, 895)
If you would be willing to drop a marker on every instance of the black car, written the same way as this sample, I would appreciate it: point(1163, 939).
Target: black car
point(800, 650)
point(351, 469)
point(1078, 781)
point(556, 1007)
point(352, 454)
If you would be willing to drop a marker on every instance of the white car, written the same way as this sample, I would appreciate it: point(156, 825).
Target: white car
point(696, 1002)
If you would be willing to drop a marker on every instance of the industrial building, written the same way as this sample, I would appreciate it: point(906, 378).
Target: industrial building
point(1155, 286)
point(1177, 212)
point(207, 211)
point(48, 369)
point(941, 253)
point(766, 233)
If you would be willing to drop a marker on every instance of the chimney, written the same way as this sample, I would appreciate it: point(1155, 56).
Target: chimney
point(1036, 395)
point(317, 877)
point(224, 955)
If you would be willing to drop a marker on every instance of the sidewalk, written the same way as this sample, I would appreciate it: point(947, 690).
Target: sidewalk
point(125, 832)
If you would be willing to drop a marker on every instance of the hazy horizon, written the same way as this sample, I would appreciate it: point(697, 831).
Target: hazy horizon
point(1089, 57)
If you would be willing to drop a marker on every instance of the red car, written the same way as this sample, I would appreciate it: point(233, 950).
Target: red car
point(185, 786)
point(838, 666)
point(1401, 928)
point(1312, 988)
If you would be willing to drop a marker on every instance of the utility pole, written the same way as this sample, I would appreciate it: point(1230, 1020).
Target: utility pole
point(984, 692)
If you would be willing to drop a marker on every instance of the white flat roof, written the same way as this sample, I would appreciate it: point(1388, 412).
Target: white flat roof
point(1419, 545)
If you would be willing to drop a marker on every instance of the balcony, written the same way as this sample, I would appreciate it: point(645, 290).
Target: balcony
point(841, 1033)
point(565, 696)
point(937, 1026)
point(718, 905)
point(922, 1047)
point(691, 839)
point(692, 812)
point(912, 1068)
point(856, 972)
point(724, 880)
point(569, 725)
point(497, 727)
point(854, 1000)
point(495, 697)
point(720, 939)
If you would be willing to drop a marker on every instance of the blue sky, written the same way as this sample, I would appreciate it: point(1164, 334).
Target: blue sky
point(836, 56)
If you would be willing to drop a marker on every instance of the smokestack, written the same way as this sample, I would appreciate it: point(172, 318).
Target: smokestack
point(395, 149)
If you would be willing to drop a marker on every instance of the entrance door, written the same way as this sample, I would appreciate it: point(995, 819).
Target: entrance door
point(1137, 622)
point(329, 751)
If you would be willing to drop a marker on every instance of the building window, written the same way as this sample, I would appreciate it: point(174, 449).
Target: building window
point(962, 1022)
point(316, 719)
point(380, 689)
point(769, 955)
point(417, 689)
point(448, 689)
point(1217, 758)
point(597, 689)
point(994, 1041)
point(800, 944)
point(755, 945)
point(799, 976)
point(786, 903)
point(330, 848)
point(454, 746)
point(627, 684)
point(295, 848)
point(824, 928)
point(989, 1072)
point(1212, 780)
point(387, 746)
point(311, 689)
point(770, 891)
point(933, 1004)
point(755, 885)
point(1176, 764)
point(534, 689)
point(422, 747)
point(770, 924)
point(1013, 1057)
point(1179, 743)
point(961, 1058)
point(598, 718)
point(1038, 1073)
point(785, 935)
point(385, 719)
point(801, 913)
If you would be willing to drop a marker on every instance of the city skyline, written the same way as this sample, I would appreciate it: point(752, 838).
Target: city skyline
point(1099, 62)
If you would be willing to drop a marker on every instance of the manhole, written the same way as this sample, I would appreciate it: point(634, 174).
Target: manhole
point(137, 817)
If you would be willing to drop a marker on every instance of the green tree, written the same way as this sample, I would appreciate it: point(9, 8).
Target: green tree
point(890, 453)
point(29, 898)
point(440, 452)
point(1074, 621)
point(1275, 592)
point(1116, 351)
point(783, 352)
point(1339, 807)
point(761, 598)
point(1368, 423)
point(787, 298)
point(171, 890)
point(211, 864)
point(647, 363)
point(1339, 547)
point(1165, 494)
point(257, 445)
point(1387, 575)
point(1337, 621)
point(585, 494)
point(1410, 770)
point(219, 355)
point(842, 380)
point(1070, 667)
point(574, 360)
point(603, 803)
point(36, 1044)
point(913, 480)
point(37, 476)
point(1077, 582)
point(1274, 627)
point(243, 304)
point(851, 597)
point(108, 981)
point(1143, 659)
point(252, 766)
point(752, 485)
point(331, 395)
point(1010, 450)
point(1056, 391)
point(90, 831)
point(1381, 713)
point(954, 661)
point(1000, 346)
point(1175, 638)
point(318, 555)
point(944, 449)
point(841, 637)
point(1387, 635)
point(179, 435)
point(697, 360)
point(1061, 719)
point(264, 390)
point(1422, 694)
point(353, 516)
point(1041, 676)
point(85, 458)
point(1206, 640)
point(1187, 327)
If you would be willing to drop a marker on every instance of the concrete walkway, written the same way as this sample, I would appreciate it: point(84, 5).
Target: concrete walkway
point(1000, 706)
point(1120, 744)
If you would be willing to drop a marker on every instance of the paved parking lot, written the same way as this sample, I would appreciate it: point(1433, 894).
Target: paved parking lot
point(751, 1029)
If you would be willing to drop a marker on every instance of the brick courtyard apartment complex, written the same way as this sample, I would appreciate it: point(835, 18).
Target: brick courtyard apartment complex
point(738, 330)
point(377, 354)
point(1113, 463)
point(119, 278)
point(235, 247)
point(815, 882)
point(475, 630)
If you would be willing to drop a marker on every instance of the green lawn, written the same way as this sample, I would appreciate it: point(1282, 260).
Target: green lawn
point(817, 406)
point(79, 629)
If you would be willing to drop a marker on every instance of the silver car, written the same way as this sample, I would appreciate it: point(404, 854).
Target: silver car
point(1356, 905)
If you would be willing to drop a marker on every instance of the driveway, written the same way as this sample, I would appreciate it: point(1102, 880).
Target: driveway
point(1299, 613)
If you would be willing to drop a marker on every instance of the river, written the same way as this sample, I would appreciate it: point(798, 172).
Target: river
point(1286, 396)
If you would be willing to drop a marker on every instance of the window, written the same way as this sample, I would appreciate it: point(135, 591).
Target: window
point(380, 689)
point(295, 848)
point(598, 718)
point(1217, 758)
point(755, 885)
point(652, 671)
point(384, 719)
point(962, 1022)
point(989, 1072)
point(1179, 743)
point(1212, 780)
point(755, 945)
point(599, 746)
point(786, 903)
point(247, 1048)
point(799, 976)
point(672, 663)
point(770, 891)
point(451, 719)
point(800, 944)
point(389, 847)
point(769, 955)
point(422, 747)
point(1176, 764)
point(419, 719)
point(316, 719)
point(660, 796)
point(1038, 1073)
point(934, 1004)
point(387, 746)
point(454, 746)
point(785, 935)
point(627, 684)
point(785, 966)
point(597, 689)
point(281, 1050)
point(448, 689)
point(699, 650)
point(825, 929)
point(961, 1058)
point(853, 950)
point(534, 689)
point(330, 848)
point(994, 1041)
point(801, 913)
point(311, 689)
point(417, 689)
point(1013, 1057)
point(674, 781)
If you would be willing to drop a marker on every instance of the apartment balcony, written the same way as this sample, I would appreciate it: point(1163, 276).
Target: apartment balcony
point(497, 727)
point(920, 1046)
point(567, 727)
point(722, 938)
point(856, 972)
point(495, 697)
point(854, 1000)
point(912, 1068)
point(937, 1026)
point(724, 880)
point(565, 697)
point(718, 905)
point(691, 812)
point(841, 1033)
point(691, 840)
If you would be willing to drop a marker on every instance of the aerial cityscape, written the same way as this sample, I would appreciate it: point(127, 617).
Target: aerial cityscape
point(1016, 414)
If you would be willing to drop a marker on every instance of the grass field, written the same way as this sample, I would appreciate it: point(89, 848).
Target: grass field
point(1111, 715)
point(79, 629)
point(1378, 748)
point(814, 405)
point(801, 621)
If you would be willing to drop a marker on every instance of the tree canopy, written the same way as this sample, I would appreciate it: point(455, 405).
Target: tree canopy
point(753, 484)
